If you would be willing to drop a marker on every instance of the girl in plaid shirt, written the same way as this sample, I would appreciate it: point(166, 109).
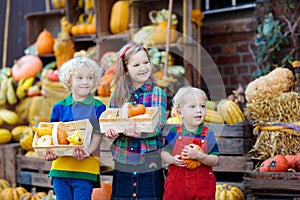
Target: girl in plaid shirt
point(138, 170)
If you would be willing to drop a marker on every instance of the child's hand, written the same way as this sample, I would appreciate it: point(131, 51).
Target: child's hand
point(50, 156)
point(79, 154)
point(111, 133)
point(131, 131)
point(192, 152)
point(177, 161)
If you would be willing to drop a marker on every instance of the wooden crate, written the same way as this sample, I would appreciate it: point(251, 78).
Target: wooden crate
point(8, 153)
point(113, 118)
point(272, 184)
point(33, 171)
point(84, 126)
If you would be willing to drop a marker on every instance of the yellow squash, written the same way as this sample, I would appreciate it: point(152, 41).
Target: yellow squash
point(119, 17)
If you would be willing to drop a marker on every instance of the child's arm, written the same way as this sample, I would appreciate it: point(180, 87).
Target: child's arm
point(192, 152)
point(169, 159)
point(79, 154)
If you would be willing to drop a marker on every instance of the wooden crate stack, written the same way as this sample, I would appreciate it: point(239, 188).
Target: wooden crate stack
point(272, 185)
point(33, 171)
point(8, 161)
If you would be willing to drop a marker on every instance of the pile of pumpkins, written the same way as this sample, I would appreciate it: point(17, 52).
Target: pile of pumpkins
point(20, 193)
point(281, 163)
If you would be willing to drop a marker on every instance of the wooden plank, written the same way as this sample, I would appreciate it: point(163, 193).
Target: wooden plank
point(233, 164)
point(34, 179)
point(272, 184)
point(236, 146)
point(32, 163)
point(8, 154)
point(223, 130)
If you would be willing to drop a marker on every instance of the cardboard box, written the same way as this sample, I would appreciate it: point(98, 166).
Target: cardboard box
point(112, 118)
point(84, 126)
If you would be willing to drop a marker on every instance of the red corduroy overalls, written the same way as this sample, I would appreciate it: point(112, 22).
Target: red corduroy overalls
point(190, 184)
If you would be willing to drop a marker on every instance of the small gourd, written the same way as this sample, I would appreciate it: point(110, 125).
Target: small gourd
point(26, 142)
point(5, 136)
point(44, 42)
point(33, 195)
point(50, 196)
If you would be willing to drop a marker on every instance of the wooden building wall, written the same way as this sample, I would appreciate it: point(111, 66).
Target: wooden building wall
point(17, 38)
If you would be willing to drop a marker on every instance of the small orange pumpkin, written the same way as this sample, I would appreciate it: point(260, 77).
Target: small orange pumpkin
point(134, 110)
point(193, 163)
point(91, 29)
point(102, 193)
point(62, 137)
point(44, 42)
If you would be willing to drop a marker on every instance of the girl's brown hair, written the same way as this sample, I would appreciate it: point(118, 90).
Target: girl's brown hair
point(122, 80)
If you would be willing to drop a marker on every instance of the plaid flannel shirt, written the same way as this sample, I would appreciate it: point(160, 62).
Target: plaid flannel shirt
point(131, 150)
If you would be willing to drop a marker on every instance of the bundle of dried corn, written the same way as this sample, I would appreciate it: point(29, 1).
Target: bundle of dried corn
point(283, 139)
point(284, 108)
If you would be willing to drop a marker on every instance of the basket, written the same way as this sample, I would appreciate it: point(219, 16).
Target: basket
point(84, 126)
point(112, 118)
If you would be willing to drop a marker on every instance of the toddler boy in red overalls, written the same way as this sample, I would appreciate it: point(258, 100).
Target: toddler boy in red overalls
point(191, 140)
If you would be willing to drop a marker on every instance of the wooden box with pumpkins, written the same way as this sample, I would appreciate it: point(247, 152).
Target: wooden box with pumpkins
point(62, 137)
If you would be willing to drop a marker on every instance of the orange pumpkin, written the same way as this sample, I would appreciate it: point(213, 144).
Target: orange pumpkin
point(91, 29)
point(44, 42)
point(102, 193)
point(27, 66)
point(292, 159)
point(193, 163)
point(277, 163)
point(62, 137)
point(134, 110)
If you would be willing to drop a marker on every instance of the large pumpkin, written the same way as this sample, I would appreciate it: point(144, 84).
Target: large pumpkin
point(102, 193)
point(44, 42)
point(27, 66)
point(119, 17)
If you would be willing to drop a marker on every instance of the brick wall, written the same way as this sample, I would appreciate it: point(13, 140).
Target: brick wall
point(228, 39)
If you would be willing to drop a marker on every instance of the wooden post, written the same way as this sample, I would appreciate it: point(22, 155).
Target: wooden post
point(168, 37)
point(6, 27)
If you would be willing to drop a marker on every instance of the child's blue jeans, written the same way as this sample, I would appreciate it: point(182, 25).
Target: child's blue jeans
point(72, 189)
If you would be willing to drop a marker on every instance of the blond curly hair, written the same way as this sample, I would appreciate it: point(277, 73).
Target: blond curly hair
point(180, 95)
point(69, 68)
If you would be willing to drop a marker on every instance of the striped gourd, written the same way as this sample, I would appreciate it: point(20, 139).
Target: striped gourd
point(13, 193)
point(5, 136)
point(230, 111)
point(33, 195)
point(213, 116)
